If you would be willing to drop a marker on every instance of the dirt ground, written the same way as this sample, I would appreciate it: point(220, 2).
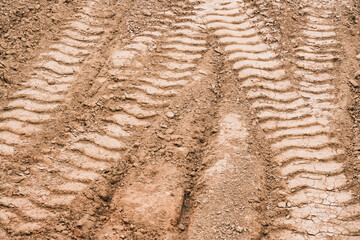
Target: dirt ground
point(180, 119)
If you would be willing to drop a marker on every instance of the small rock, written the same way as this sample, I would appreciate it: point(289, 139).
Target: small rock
point(170, 114)
point(103, 192)
point(353, 83)
point(83, 221)
point(202, 72)
point(282, 204)
point(181, 227)
point(239, 229)
point(146, 13)
point(357, 75)
point(219, 50)
point(169, 131)
point(358, 56)
point(78, 233)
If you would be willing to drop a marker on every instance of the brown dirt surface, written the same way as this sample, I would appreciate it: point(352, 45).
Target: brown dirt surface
point(180, 119)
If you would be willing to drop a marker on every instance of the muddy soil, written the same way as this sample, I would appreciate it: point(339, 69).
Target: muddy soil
point(179, 119)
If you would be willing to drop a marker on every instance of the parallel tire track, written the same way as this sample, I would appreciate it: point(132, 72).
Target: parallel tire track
point(296, 119)
point(33, 106)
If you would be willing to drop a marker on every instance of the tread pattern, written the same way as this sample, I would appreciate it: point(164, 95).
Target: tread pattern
point(53, 74)
point(33, 106)
point(143, 96)
point(295, 118)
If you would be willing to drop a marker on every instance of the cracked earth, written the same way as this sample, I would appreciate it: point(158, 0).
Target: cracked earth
point(180, 119)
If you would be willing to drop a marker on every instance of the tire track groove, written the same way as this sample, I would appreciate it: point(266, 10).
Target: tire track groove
point(86, 155)
point(295, 118)
point(33, 106)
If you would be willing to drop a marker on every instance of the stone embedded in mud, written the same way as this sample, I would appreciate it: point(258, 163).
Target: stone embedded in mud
point(357, 75)
point(170, 114)
point(146, 13)
point(353, 83)
point(358, 56)
point(103, 191)
point(181, 227)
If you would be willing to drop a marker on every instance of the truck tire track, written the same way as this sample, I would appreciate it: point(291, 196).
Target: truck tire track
point(144, 95)
point(34, 106)
point(318, 200)
point(52, 77)
point(296, 119)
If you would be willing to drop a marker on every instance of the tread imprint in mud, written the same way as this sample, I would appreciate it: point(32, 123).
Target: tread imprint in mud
point(295, 118)
point(32, 106)
point(318, 202)
point(81, 161)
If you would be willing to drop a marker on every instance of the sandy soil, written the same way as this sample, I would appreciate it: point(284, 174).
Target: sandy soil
point(180, 119)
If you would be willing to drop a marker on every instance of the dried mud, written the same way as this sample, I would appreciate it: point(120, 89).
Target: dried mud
point(179, 119)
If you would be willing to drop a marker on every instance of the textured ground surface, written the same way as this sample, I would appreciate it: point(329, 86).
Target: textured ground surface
point(180, 119)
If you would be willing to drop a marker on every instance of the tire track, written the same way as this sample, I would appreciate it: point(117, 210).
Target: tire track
point(25, 209)
point(143, 96)
point(53, 74)
point(318, 200)
point(137, 91)
point(296, 119)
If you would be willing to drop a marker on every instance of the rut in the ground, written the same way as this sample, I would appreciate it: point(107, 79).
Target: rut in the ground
point(143, 96)
point(52, 77)
point(48, 86)
point(308, 153)
point(296, 118)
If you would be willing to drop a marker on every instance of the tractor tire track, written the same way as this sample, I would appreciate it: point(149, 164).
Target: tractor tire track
point(79, 164)
point(53, 74)
point(296, 118)
point(32, 203)
point(319, 202)
point(143, 96)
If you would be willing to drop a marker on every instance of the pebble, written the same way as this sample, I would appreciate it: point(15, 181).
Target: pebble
point(103, 192)
point(147, 13)
point(170, 114)
point(282, 204)
point(358, 56)
point(357, 75)
point(181, 227)
point(354, 83)
point(169, 131)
